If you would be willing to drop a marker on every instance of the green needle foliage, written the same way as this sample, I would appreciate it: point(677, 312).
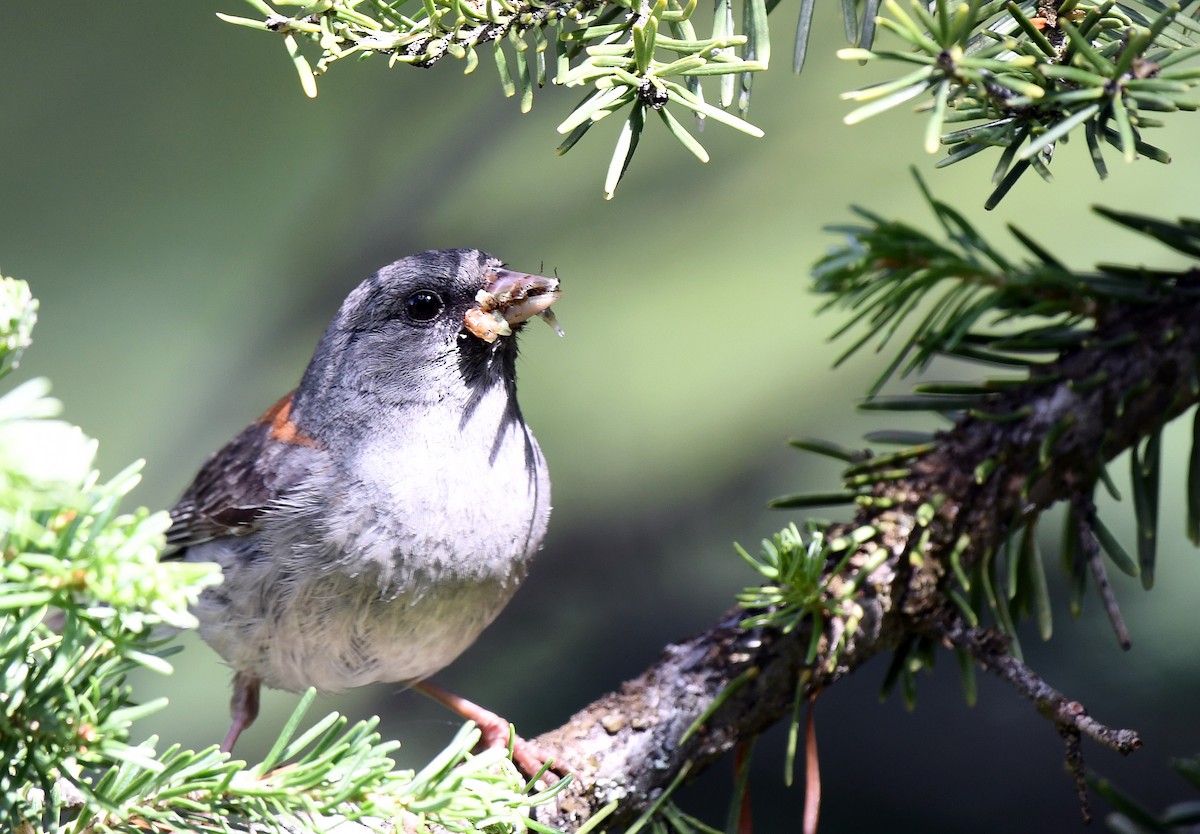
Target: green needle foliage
point(84, 600)
point(889, 273)
point(18, 312)
point(956, 295)
point(66, 704)
point(1022, 77)
point(1131, 817)
point(1019, 77)
point(636, 58)
point(805, 580)
point(329, 773)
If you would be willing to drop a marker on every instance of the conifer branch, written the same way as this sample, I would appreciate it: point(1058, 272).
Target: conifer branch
point(1015, 76)
point(936, 520)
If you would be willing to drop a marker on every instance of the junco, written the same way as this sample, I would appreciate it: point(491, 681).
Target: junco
point(371, 523)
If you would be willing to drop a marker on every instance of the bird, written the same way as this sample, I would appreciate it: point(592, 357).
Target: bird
point(371, 523)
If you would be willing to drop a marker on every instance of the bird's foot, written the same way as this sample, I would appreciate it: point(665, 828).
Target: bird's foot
point(530, 759)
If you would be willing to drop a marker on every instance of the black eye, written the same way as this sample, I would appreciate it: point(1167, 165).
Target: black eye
point(423, 305)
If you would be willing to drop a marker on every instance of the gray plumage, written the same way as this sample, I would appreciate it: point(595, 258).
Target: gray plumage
point(371, 524)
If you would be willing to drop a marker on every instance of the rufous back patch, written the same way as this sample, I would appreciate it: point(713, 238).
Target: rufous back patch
point(278, 417)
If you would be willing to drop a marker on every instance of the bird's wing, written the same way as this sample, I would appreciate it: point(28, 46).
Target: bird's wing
point(238, 482)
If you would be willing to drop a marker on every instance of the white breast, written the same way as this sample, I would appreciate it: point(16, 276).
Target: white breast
point(387, 568)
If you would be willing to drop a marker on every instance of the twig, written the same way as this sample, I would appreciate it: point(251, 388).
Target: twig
point(990, 650)
point(1085, 513)
point(1074, 762)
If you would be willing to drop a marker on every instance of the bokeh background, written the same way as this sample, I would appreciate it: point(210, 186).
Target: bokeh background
point(190, 221)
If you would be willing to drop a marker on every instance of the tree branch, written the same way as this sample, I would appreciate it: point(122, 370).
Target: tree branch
point(991, 651)
point(1071, 416)
point(626, 745)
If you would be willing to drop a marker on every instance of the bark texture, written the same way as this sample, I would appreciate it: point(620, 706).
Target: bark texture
point(997, 469)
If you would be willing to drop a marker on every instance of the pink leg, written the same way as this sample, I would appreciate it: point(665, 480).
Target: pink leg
point(496, 731)
point(243, 706)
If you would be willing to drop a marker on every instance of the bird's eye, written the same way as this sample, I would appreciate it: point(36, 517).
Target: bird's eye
point(423, 305)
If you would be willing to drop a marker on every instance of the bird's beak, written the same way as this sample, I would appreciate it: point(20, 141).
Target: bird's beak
point(509, 299)
point(519, 297)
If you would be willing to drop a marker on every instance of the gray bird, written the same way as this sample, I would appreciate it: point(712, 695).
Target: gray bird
point(374, 521)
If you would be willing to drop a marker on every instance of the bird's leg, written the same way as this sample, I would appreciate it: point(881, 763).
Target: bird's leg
point(243, 707)
point(496, 732)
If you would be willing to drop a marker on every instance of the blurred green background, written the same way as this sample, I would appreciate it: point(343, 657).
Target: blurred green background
point(190, 222)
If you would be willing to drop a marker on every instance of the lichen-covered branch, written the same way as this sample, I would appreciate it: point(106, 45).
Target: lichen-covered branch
point(939, 521)
point(632, 743)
